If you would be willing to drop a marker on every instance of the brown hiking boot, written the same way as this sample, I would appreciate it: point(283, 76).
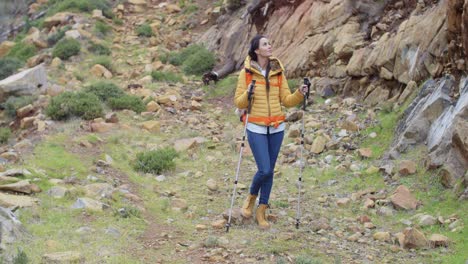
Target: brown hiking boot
point(261, 216)
point(247, 207)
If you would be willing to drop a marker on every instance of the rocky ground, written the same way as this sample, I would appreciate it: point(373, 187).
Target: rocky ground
point(80, 199)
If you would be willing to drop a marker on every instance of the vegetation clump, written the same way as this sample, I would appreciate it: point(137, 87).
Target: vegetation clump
point(144, 30)
point(131, 102)
point(81, 104)
point(8, 66)
point(5, 134)
point(22, 51)
point(66, 48)
point(156, 161)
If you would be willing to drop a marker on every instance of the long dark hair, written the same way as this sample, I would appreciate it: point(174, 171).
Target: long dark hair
point(254, 44)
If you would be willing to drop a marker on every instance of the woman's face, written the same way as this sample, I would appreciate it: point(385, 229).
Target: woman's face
point(264, 48)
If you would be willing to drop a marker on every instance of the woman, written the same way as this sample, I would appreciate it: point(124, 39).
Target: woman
point(265, 127)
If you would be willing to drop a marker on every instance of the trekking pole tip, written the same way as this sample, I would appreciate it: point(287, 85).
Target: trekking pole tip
point(227, 227)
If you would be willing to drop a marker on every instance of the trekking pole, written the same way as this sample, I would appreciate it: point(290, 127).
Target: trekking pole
point(249, 107)
point(298, 215)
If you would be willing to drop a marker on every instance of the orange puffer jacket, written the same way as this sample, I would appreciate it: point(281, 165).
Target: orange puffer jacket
point(266, 106)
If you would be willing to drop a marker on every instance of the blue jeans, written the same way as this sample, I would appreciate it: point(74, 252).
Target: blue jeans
point(265, 149)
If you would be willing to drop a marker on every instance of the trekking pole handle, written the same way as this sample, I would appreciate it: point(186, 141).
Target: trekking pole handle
point(307, 83)
point(250, 93)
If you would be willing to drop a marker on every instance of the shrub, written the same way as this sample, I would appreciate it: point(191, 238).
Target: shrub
point(105, 61)
point(54, 38)
point(5, 134)
point(77, 5)
point(108, 13)
point(81, 104)
point(66, 48)
point(8, 66)
point(14, 103)
point(199, 62)
point(87, 106)
point(195, 59)
point(306, 260)
point(117, 21)
point(156, 161)
point(174, 58)
point(127, 102)
point(144, 30)
point(177, 58)
point(22, 51)
point(21, 258)
point(166, 76)
point(99, 49)
point(190, 9)
point(102, 28)
point(104, 90)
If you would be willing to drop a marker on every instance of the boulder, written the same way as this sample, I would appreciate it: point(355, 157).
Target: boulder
point(5, 47)
point(58, 19)
point(28, 82)
point(414, 238)
point(11, 228)
point(9, 200)
point(64, 257)
point(402, 198)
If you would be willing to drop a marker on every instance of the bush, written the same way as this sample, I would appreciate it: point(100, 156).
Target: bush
point(8, 66)
point(198, 63)
point(166, 77)
point(104, 90)
point(156, 161)
point(21, 258)
point(22, 51)
point(54, 38)
point(195, 59)
point(117, 21)
point(99, 49)
point(5, 134)
point(108, 13)
point(66, 48)
point(144, 30)
point(14, 103)
point(102, 28)
point(178, 58)
point(77, 5)
point(105, 61)
point(127, 102)
point(81, 104)
point(190, 9)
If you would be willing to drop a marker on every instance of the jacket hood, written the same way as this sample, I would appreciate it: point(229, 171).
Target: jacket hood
point(275, 66)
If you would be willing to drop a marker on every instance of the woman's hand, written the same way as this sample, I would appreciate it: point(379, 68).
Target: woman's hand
point(303, 89)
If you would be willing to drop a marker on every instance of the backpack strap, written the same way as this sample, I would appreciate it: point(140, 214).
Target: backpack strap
point(248, 77)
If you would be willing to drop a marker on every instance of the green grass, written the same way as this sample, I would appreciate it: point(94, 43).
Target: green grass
point(22, 51)
point(52, 156)
point(439, 201)
point(170, 77)
point(57, 222)
point(225, 87)
point(385, 132)
point(86, 6)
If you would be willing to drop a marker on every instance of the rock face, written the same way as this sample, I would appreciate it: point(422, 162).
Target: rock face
point(28, 82)
point(335, 40)
point(10, 228)
point(434, 117)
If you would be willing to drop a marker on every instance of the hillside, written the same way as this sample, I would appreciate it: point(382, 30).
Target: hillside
point(114, 151)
